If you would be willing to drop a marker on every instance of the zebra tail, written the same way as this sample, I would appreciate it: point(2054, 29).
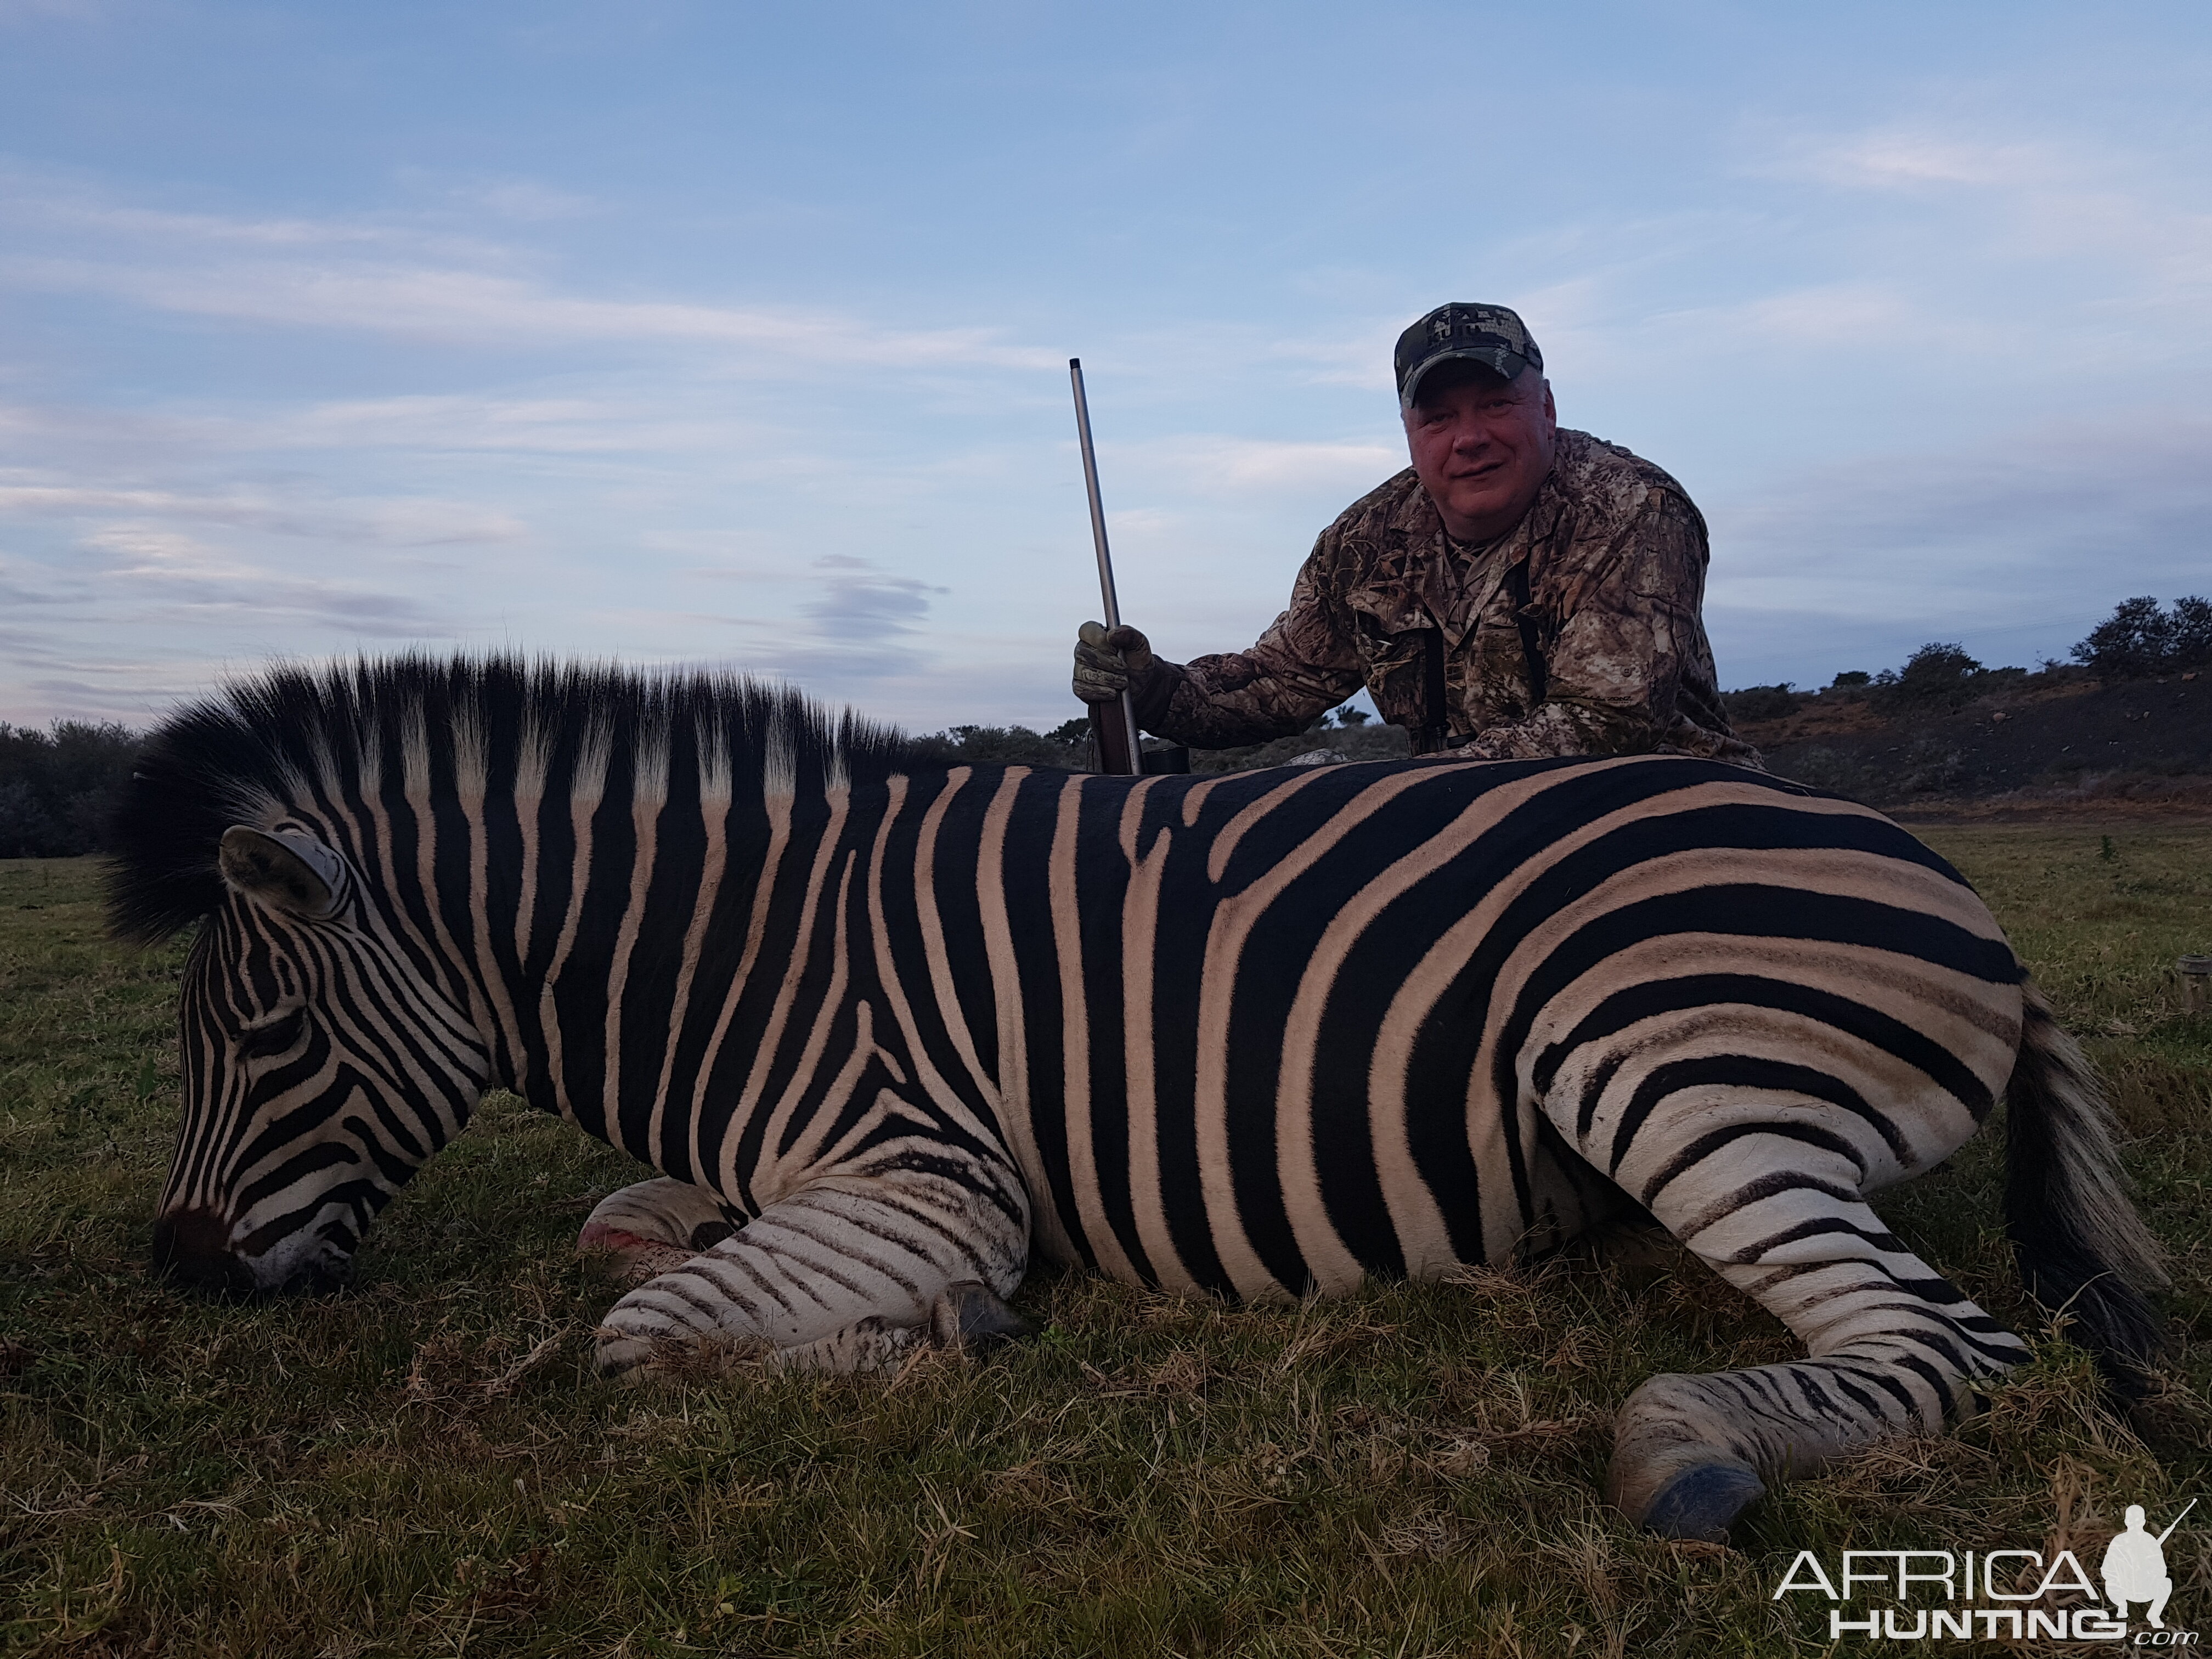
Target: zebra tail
point(2080, 1246)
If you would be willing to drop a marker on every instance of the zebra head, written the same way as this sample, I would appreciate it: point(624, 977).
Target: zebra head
point(321, 1069)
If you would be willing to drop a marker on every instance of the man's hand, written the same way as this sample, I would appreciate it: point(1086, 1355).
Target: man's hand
point(1108, 661)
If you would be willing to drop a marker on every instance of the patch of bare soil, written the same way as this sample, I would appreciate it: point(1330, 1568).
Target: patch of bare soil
point(2139, 748)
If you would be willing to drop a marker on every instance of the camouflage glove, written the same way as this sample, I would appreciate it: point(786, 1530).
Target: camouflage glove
point(1109, 662)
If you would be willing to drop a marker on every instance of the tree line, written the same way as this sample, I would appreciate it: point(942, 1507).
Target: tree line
point(2141, 640)
point(57, 786)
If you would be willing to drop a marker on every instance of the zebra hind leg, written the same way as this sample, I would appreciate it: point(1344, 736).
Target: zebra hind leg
point(1771, 1200)
point(852, 1272)
point(651, 1227)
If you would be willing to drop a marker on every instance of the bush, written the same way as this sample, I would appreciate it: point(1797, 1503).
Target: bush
point(1939, 675)
point(55, 787)
point(2139, 639)
point(1762, 702)
point(1851, 677)
point(2192, 633)
point(1065, 748)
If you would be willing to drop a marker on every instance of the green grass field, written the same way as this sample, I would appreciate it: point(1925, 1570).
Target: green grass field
point(424, 1465)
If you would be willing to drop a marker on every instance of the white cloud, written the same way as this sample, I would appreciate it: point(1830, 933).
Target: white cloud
point(141, 549)
point(2076, 195)
point(680, 420)
point(399, 520)
point(387, 276)
point(169, 576)
point(543, 425)
point(1211, 465)
point(524, 199)
point(477, 307)
point(125, 626)
point(1905, 157)
point(43, 208)
point(1828, 315)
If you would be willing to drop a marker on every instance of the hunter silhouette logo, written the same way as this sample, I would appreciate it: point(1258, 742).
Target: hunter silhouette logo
point(1969, 1590)
point(2135, 1566)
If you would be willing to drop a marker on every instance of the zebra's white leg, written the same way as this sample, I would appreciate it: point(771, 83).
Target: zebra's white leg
point(1771, 1200)
point(651, 1226)
point(849, 1273)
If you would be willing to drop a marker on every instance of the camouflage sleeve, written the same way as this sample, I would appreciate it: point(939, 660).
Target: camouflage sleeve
point(1614, 662)
point(1305, 664)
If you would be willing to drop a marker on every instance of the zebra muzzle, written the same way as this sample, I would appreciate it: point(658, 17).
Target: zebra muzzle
point(192, 1249)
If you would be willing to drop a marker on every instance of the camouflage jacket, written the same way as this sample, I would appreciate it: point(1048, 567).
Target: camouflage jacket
point(1601, 584)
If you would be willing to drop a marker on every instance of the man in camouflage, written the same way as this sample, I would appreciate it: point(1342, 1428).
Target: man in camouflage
point(1519, 591)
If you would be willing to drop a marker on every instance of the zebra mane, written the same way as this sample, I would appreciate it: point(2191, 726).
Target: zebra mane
point(397, 724)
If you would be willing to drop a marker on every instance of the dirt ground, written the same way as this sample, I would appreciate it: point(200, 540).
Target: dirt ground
point(2042, 748)
point(2138, 747)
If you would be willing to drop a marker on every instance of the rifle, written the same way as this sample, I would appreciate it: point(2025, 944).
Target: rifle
point(1114, 725)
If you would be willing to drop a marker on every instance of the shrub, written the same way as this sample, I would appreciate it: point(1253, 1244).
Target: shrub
point(1939, 675)
point(1851, 677)
point(1065, 747)
point(2192, 632)
point(2139, 639)
point(1762, 702)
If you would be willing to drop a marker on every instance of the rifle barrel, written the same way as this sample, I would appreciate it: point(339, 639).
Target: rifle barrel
point(1128, 710)
point(2168, 1533)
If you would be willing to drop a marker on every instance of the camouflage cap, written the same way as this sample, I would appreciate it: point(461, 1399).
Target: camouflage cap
point(1489, 334)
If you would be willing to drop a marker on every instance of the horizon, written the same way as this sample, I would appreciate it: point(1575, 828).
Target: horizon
point(1361, 704)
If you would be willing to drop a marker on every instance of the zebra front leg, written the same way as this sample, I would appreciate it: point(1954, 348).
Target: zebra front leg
point(849, 1273)
point(651, 1227)
point(1775, 1206)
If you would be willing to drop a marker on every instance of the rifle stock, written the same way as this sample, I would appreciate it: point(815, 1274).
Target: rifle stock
point(1110, 724)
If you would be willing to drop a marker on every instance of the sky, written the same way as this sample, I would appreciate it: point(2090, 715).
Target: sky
point(736, 335)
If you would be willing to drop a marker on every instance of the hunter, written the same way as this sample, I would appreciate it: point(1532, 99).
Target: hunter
point(1521, 590)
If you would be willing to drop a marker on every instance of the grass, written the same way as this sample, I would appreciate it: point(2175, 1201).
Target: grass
point(424, 1465)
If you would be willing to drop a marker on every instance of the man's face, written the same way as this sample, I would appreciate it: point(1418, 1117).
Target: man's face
point(1481, 445)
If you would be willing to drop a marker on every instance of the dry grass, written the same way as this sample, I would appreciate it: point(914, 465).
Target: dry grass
point(422, 1466)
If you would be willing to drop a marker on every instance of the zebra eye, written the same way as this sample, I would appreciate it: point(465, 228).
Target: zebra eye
point(277, 1038)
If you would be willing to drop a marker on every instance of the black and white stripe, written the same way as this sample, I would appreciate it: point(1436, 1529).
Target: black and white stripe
point(1262, 1034)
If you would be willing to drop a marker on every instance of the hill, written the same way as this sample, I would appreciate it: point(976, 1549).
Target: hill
point(2045, 738)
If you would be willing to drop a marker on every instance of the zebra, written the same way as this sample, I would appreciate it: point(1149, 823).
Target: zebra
point(889, 1031)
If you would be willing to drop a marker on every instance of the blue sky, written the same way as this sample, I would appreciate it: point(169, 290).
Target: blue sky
point(738, 334)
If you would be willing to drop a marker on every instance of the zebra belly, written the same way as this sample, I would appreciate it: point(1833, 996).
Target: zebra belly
point(1568, 1198)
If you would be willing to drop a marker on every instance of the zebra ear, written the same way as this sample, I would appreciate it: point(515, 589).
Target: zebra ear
point(282, 869)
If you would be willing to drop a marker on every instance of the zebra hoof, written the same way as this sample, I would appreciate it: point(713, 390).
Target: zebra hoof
point(971, 1316)
point(620, 1354)
point(1704, 1501)
point(1681, 1466)
point(634, 1261)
